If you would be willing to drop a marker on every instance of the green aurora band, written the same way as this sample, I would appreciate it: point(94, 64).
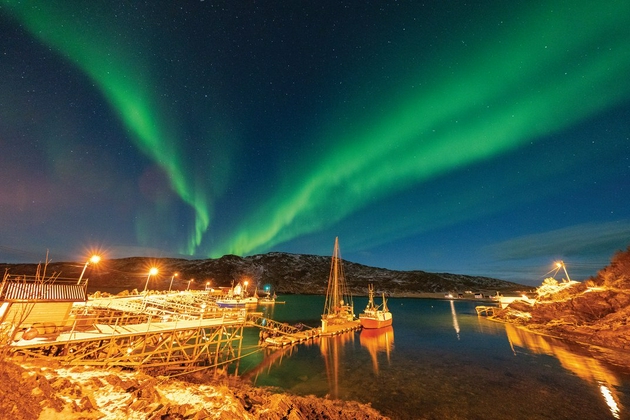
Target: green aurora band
point(539, 75)
point(129, 95)
point(514, 89)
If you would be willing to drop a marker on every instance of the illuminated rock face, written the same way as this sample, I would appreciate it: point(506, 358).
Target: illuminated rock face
point(583, 309)
point(50, 391)
point(596, 311)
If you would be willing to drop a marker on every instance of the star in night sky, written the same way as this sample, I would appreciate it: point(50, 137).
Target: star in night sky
point(483, 138)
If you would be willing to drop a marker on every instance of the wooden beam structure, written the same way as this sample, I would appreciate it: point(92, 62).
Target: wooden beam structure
point(174, 332)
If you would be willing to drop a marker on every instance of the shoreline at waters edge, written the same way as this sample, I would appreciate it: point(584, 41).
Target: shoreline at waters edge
point(615, 356)
point(440, 296)
point(114, 393)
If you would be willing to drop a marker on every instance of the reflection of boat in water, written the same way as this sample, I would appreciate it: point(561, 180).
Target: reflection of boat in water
point(375, 316)
point(338, 310)
point(574, 358)
point(377, 341)
point(332, 350)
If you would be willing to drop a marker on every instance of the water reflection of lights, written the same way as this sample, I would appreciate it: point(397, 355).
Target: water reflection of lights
point(330, 348)
point(610, 401)
point(574, 358)
point(267, 311)
point(377, 341)
point(455, 323)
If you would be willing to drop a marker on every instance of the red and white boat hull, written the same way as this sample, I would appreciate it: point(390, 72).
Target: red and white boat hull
point(378, 320)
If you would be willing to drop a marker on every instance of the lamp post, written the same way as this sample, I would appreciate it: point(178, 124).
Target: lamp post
point(94, 260)
point(560, 265)
point(245, 283)
point(152, 272)
point(171, 285)
point(188, 287)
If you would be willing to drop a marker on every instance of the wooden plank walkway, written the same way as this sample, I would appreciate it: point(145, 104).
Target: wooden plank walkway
point(282, 339)
point(101, 331)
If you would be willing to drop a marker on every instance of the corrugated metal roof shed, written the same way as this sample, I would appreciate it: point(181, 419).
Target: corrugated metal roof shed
point(42, 292)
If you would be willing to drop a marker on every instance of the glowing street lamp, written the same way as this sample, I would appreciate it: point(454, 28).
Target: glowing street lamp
point(94, 260)
point(245, 283)
point(152, 272)
point(560, 264)
point(171, 285)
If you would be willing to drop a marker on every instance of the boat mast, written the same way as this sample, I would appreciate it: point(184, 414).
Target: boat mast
point(370, 304)
point(335, 301)
point(332, 293)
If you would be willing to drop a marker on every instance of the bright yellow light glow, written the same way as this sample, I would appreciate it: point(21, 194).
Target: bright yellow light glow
point(153, 271)
point(610, 401)
point(94, 259)
point(558, 264)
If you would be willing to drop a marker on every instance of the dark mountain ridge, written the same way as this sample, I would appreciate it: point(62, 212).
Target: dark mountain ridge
point(285, 273)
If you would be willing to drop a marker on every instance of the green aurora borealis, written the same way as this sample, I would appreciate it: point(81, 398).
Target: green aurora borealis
point(496, 110)
point(409, 113)
point(125, 86)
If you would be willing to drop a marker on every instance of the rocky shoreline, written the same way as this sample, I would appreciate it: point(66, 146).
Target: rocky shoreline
point(45, 390)
point(594, 313)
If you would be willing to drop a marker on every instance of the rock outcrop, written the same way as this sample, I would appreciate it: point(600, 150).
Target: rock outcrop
point(595, 311)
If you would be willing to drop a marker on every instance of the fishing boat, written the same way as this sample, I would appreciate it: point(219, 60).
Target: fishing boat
point(237, 298)
point(251, 300)
point(267, 300)
point(374, 316)
point(231, 302)
point(338, 313)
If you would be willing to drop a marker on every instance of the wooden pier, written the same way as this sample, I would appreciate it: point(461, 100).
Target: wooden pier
point(280, 338)
point(172, 332)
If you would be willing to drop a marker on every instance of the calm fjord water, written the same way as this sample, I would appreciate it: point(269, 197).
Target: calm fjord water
point(441, 361)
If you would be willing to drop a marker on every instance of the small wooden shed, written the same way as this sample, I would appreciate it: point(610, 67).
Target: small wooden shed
point(43, 305)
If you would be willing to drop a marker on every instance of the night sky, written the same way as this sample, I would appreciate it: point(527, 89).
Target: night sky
point(485, 138)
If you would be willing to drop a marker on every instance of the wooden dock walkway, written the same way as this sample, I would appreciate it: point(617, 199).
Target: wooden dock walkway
point(287, 338)
point(169, 332)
